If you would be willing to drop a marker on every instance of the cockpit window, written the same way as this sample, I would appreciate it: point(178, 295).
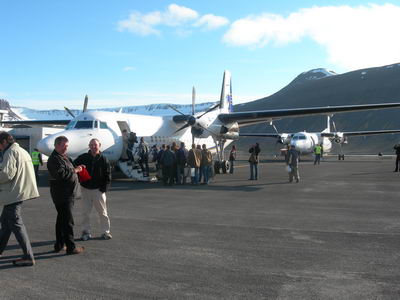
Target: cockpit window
point(299, 137)
point(84, 125)
point(70, 125)
point(103, 125)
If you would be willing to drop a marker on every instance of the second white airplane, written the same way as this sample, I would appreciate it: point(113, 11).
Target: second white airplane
point(305, 142)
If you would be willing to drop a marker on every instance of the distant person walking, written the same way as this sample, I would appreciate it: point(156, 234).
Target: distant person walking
point(94, 190)
point(64, 189)
point(232, 158)
point(397, 149)
point(292, 160)
point(253, 161)
point(36, 161)
point(17, 184)
point(318, 153)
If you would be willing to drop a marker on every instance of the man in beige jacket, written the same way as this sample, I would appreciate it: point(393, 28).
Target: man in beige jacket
point(17, 184)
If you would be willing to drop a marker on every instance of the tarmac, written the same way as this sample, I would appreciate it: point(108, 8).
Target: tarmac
point(334, 235)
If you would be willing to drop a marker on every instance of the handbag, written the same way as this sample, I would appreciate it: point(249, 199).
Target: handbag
point(186, 172)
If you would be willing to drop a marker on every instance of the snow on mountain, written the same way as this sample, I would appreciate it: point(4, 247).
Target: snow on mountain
point(151, 110)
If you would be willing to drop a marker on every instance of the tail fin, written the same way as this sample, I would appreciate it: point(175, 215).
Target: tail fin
point(328, 124)
point(225, 101)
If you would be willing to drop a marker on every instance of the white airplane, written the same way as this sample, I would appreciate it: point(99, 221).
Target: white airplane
point(305, 142)
point(217, 127)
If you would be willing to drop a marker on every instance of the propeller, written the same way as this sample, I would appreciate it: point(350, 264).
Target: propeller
point(192, 120)
point(69, 112)
point(85, 104)
point(339, 139)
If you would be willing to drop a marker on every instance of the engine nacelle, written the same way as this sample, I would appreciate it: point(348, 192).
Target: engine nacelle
point(284, 139)
point(340, 138)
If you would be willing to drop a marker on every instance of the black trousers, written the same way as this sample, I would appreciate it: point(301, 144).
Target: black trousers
point(64, 225)
point(397, 162)
point(168, 175)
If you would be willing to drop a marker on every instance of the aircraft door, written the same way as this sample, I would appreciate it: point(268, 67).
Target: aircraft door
point(123, 125)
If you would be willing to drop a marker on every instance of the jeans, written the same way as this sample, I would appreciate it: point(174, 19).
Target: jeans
point(11, 221)
point(205, 171)
point(253, 171)
point(180, 170)
point(195, 178)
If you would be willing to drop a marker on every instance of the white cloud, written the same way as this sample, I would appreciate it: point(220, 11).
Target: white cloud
point(2, 94)
point(354, 37)
point(128, 68)
point(139, 24)
point(173, 16)
point(211, 22)
point(177, 15)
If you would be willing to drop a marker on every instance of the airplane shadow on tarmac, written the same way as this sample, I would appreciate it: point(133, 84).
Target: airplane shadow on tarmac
point(119, 186)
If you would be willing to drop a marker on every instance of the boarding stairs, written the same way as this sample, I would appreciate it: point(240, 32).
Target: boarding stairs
point(133, 171)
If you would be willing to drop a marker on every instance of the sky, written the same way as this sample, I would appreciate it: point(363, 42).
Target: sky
point(131, 52)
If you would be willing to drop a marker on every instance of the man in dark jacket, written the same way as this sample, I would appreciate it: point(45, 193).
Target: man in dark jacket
point(168, 160)
point(64, 189)
point(181, 160)
point(94, 189)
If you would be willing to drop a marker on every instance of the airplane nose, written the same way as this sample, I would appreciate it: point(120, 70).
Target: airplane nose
point(46, 145)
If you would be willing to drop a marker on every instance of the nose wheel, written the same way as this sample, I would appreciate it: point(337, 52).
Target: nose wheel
point(221, 167)
point(341, 157)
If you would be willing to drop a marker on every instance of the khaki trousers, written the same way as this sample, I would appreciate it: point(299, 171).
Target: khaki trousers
point(97, 199)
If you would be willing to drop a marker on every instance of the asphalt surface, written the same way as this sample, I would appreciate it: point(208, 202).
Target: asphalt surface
point(334, 235)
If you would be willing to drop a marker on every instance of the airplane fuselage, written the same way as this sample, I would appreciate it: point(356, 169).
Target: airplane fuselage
point(107, 127)
point(305, 142)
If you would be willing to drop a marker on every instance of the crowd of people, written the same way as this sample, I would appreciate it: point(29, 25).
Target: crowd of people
point(175, 164)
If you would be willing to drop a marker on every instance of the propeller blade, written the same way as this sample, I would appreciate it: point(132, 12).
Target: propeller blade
point(193, 100)
point(85, 103)
point(276, 130)
point(183, 127)
point(208, 110)
point(334, 126)
point(69, 112)
point(179, 112)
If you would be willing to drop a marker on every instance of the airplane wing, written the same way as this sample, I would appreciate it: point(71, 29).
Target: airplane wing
point(355, 133)
point(272, 135)
point(253, 117)
point(37, 122)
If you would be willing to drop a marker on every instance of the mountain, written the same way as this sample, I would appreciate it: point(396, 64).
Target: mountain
point(320, 87)
point(152, 109)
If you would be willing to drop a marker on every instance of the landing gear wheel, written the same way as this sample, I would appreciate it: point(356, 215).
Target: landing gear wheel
point(217, 167)
point(341, 156)
point(224, 166)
